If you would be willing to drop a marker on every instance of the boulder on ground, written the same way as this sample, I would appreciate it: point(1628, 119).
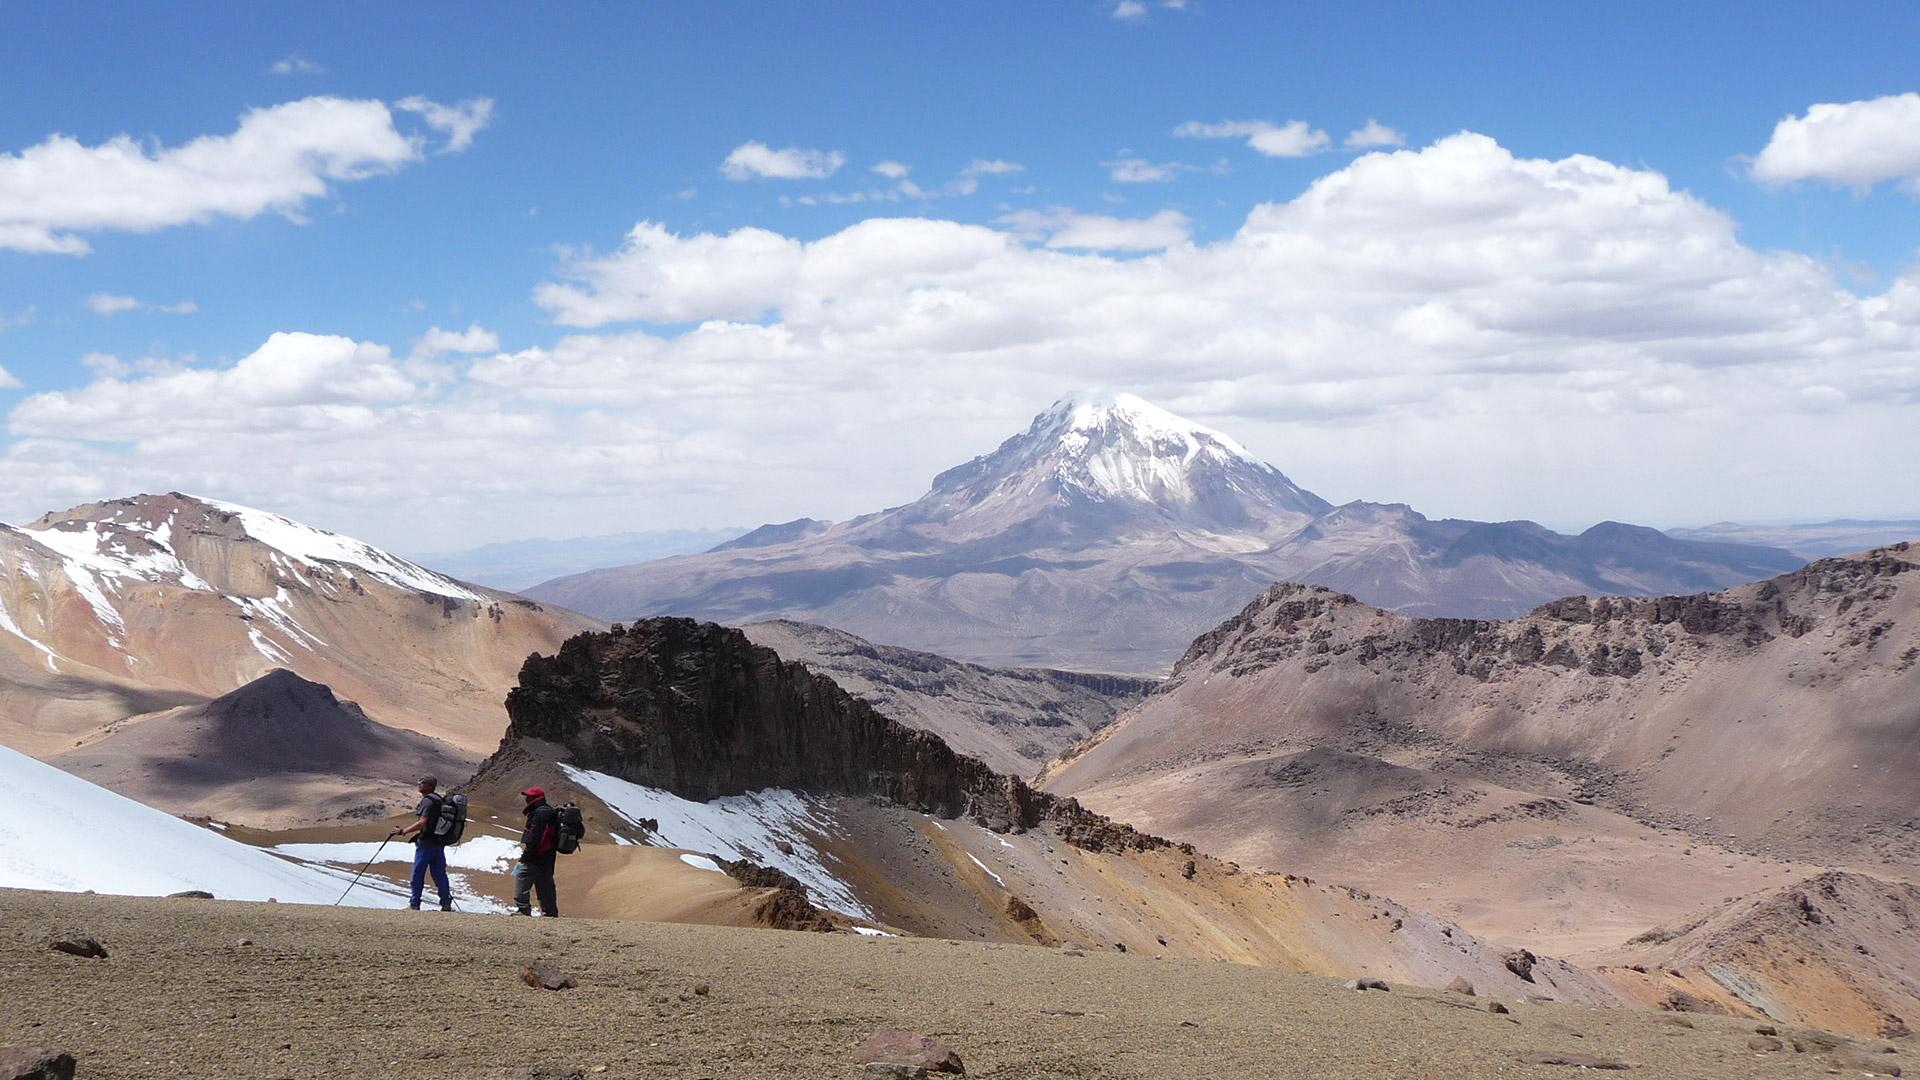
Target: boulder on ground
point(77, 944)
point(892, 1046)
point(191, 894)
point(35, 1063)
point(1367, 984)
point(1460, 985)
point(1765, 1044)
point(545, 975)
point(1577, 1061)
point(1521, 962)
point(1682, 1001)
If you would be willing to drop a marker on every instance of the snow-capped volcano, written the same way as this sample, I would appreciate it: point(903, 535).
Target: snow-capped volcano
point(1123, 453)
point(1109, 533)
point(136, 605)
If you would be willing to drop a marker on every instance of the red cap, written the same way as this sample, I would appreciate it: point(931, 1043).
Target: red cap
point(534, 793)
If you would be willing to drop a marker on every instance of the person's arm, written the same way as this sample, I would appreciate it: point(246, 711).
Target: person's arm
point(426, 805)
point(530, 837)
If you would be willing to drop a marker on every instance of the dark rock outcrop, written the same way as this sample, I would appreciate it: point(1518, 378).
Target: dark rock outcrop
point(697, 709)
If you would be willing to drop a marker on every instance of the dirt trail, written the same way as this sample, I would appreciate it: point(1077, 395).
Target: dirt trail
point(346, 993)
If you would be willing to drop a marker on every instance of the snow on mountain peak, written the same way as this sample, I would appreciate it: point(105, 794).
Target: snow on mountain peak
point(1090, 412)
point(1122, 446)
point(1115, 451)
point(310, 546)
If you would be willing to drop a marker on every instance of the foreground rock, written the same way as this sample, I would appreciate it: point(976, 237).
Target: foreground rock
point(892, 1046)
point(1578, 1061)
point(35, 1063)
point(545, 975)
point(80, 945)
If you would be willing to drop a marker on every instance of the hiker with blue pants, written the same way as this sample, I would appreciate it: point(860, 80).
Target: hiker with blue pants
point(428, 853)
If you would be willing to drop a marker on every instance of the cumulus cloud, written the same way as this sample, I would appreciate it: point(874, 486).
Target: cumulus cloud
point(474, 339)
point(1857, 144)
point(294, 64)
point(278, 160)
point(113, 304)
point(660, 277)
point(1130, 11)
point(1483, 334)
point(1373, 135)
point(1134, 170)
point(459, 123)
point(1295, 138)
point(1065, 229)
point(893, 170)
point(751, 160)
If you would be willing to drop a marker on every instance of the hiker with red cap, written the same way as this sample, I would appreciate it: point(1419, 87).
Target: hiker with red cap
point(539, 847)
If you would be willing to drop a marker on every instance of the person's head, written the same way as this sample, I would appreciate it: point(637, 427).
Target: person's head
point(428, 785)
point(533, 795)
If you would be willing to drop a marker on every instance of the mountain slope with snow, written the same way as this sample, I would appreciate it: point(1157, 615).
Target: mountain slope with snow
point(1110, 533)
point(135, 605)
point(79, 837)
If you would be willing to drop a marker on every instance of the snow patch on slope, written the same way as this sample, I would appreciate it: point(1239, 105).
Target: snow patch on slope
point(11, 627)
point(748, 826)
point(81, 836)
point(312, 547)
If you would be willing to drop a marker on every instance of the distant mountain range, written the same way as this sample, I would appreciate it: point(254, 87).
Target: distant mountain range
point(1575, 778)
point(517, 564)
point(1811, 541)
point(1111, 532)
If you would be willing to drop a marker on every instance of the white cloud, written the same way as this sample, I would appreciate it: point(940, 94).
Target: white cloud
point(278, 160)
point(1374, 135)
point(1295, 138)
point(1856, 144)
point(1485, 335)
point(294, 64)
point(756, 159)
point(474, 339)
point(1065, 229)
point(459, 122)
point(109, 304)
point(1139, 170)
point(893, 170)
point(1130, 10)
point(113, 304)
point(992, 167)
point(660, 277)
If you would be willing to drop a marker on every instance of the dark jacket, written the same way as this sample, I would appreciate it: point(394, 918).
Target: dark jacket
point(542, 836)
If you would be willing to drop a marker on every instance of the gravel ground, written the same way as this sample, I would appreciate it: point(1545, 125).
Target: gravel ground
point(212, 990)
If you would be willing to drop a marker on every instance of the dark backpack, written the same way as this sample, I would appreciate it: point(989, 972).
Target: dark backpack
point(448, 822)
point(573, 828)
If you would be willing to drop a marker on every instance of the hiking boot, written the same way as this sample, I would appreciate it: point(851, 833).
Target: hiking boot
point(524, 911)
point(446, 905)
point(413, 907)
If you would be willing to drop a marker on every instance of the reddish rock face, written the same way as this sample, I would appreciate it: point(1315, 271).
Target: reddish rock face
point(895, 1047)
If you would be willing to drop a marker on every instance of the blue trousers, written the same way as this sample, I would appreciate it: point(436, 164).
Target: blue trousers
point(430, 857)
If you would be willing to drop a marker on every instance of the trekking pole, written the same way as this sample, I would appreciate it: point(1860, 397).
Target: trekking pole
point(364, 869)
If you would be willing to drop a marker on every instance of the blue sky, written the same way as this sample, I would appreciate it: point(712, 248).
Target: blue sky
point(603, 117)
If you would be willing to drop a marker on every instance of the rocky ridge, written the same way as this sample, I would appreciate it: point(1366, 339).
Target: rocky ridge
point(1014, 719)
